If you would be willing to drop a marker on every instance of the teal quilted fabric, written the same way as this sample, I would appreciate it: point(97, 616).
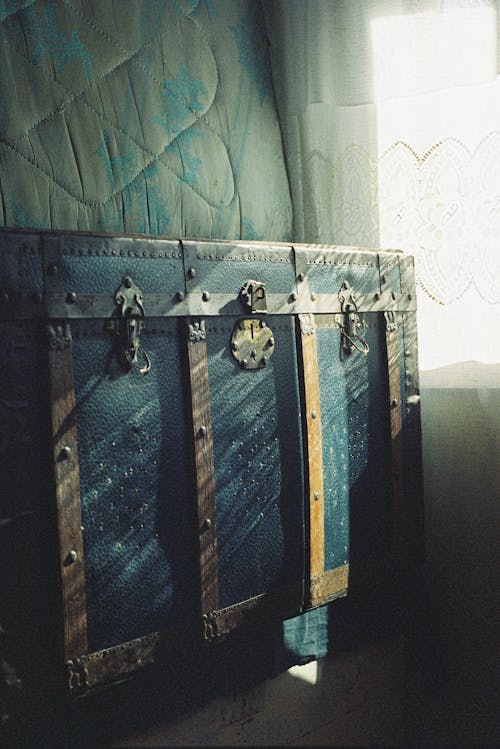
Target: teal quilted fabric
point(142, 116)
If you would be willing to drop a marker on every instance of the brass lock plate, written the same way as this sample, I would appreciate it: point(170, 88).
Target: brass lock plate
point(252, 343)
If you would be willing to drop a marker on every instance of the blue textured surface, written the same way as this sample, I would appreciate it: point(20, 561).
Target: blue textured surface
point(258, 473)
point(227, 277)
point(326, 278)
point(137, 513)
point(101, 275)
point(335, 436)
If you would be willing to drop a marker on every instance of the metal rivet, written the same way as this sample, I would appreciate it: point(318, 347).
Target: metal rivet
point(393, 295)
point(72, 556)
point(262, 323)
point(270, 343)
point(244, 363)
point(313, 414)
point(313, 296)
point(71, 297)
point(394, 403)
point(346, 285)
point(207, 524)
point(180, 296)
point(205, 296)
point(202, 431)
point(384, 278)
point(234, 345)
point(410, 297)
point(300, 277)
point(316, 496)
point(65, 452)
point(377, 295)
point(53, 269)
point(293, 296)
point(264, 361)
point(128, 282)
point(191, 272)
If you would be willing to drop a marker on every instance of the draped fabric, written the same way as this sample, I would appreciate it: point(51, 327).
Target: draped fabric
point(390, 111)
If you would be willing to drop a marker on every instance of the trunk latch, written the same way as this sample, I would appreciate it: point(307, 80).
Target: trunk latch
point(130, 325)
point(350, 322)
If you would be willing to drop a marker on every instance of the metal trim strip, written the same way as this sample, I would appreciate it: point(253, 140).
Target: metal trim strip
point(398, 519)
point(199, 304)
point(107, 665)
point(329, 585)
point(281, 603)
point(204, 467)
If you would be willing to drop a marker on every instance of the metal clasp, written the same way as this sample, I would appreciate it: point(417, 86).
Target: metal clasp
point(350, 322)
point(131, 324)
point(253, 296)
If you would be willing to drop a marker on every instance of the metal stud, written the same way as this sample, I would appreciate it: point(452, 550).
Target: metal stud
point(65, 453)
point(70, 297)
point(205, 296)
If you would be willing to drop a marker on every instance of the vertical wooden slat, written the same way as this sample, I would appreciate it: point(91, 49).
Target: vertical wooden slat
point(308, 366)
point(396, 423)
point(67, 490)
point(203, 466)
point(413, 442)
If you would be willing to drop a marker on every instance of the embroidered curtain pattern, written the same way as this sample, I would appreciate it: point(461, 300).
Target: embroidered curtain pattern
point(391, 119)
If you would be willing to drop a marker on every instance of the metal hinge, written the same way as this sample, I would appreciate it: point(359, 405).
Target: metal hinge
point(253, 296)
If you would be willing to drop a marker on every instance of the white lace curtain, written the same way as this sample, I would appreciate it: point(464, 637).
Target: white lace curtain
point(390, 111)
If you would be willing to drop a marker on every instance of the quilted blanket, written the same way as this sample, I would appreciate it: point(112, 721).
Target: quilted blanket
point(142, 116)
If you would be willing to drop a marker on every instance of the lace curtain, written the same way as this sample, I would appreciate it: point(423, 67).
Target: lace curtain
point(390, 112)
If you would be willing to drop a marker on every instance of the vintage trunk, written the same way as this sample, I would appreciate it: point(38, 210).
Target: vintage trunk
point(211, 434)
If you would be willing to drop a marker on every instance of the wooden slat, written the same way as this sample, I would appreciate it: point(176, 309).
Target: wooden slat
point(396, 421)
point(308, 368)
point(67, 490)
point(203, 466)
point(413, 442)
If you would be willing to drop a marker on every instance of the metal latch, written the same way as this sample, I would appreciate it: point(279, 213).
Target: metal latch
point(130, 325)
point(252, 343)
point(253, 296)
point(350, 322)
